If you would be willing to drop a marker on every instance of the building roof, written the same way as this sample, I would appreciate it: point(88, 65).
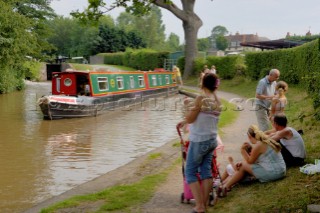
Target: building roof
point(272, 44)
point(244, 38)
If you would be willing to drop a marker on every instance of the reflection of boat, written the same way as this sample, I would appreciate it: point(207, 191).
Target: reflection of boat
point(83, 93)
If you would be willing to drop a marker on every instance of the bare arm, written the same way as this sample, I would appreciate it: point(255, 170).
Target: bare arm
point(285, 133)
point(270, 132)
point(273, 106)
point(194, 111)
point(264, 97)
point(257, 150)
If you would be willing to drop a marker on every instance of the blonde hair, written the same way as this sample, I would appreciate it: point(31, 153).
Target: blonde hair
point(282, 87)
point(260, 136)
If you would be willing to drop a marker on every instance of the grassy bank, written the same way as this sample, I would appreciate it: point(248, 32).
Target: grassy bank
point(297, 190)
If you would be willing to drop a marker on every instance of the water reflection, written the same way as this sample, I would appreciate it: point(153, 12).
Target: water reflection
point(42, 158)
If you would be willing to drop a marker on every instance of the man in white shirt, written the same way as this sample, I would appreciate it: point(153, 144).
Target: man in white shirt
point(293, 149)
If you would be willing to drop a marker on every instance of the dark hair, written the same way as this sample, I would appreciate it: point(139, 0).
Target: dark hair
point(210, 81)
point(280, 119)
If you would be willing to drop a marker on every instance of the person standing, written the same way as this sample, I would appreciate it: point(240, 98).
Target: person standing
point(279, 102)
point(265, 92)
point(203, 118)
point(200, 78)
point(213, 69)
point(177, 72)
point(206, 69)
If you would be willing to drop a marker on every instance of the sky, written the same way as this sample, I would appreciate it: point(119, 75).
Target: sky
point(267, 18)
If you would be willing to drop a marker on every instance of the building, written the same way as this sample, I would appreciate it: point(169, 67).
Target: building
point(236, 40)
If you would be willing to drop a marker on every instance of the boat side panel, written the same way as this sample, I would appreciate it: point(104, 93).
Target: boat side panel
point(130, 82)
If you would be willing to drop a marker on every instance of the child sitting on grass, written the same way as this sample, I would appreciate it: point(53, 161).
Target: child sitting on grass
point(232, 167)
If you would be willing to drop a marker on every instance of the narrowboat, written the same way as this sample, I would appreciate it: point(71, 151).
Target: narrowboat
point(89, 93)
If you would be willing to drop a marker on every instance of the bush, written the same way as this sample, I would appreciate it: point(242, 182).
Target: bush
point(32, 70)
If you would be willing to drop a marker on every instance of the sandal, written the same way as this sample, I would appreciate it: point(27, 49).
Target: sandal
point(222, 191)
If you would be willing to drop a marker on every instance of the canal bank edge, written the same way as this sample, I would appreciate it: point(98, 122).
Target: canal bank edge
point(126, 174)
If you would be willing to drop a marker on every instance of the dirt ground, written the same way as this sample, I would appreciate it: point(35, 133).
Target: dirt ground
point(167, 196)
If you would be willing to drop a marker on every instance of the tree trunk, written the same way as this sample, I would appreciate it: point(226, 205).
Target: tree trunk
point(191, 29)
point(191, 24)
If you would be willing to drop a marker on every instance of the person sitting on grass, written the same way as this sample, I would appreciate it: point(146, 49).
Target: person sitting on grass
point(232, 167)
point(293, 149)
point(265, 162)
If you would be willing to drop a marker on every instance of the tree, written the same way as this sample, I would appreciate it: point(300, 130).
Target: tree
point(16, 42)
point(173, 42)
point(203, 44)
point(221, 42)
point(111, 40)
point(39, 11)
point(149, 27)
point(216, 37)
point(191, 22)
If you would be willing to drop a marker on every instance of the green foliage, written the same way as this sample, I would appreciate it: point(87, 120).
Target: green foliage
point(219, 30)
point(70, 38)
point(203, 44)
point(118, 197)
point(299, 65)
point(16, 41)
point(11, 79)
point(111, 40)
point(148, 27)
point(32, 70)
point(303, 38)
point(37, 12)
point(227, 67)
point(143, 59)
point(218, 37)
point(173, 43)
point(221, 42)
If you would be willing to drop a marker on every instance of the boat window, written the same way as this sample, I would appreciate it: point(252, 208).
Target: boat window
point(160, 79)
point(131, 82)
point(120, 82)
point(67, 82)
point(154, 80)
point(167, 79)
point(58, 80)
point(103, 84)
point(141, 81)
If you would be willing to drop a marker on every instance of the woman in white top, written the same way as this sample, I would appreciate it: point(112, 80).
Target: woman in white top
point(203, 118)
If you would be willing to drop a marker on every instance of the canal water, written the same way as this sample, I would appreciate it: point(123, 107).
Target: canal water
point(42, 158)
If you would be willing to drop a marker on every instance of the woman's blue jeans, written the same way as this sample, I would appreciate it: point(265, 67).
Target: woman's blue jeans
point(199, 160)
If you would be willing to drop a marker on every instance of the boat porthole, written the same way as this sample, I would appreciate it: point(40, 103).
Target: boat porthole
point(67, 82)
